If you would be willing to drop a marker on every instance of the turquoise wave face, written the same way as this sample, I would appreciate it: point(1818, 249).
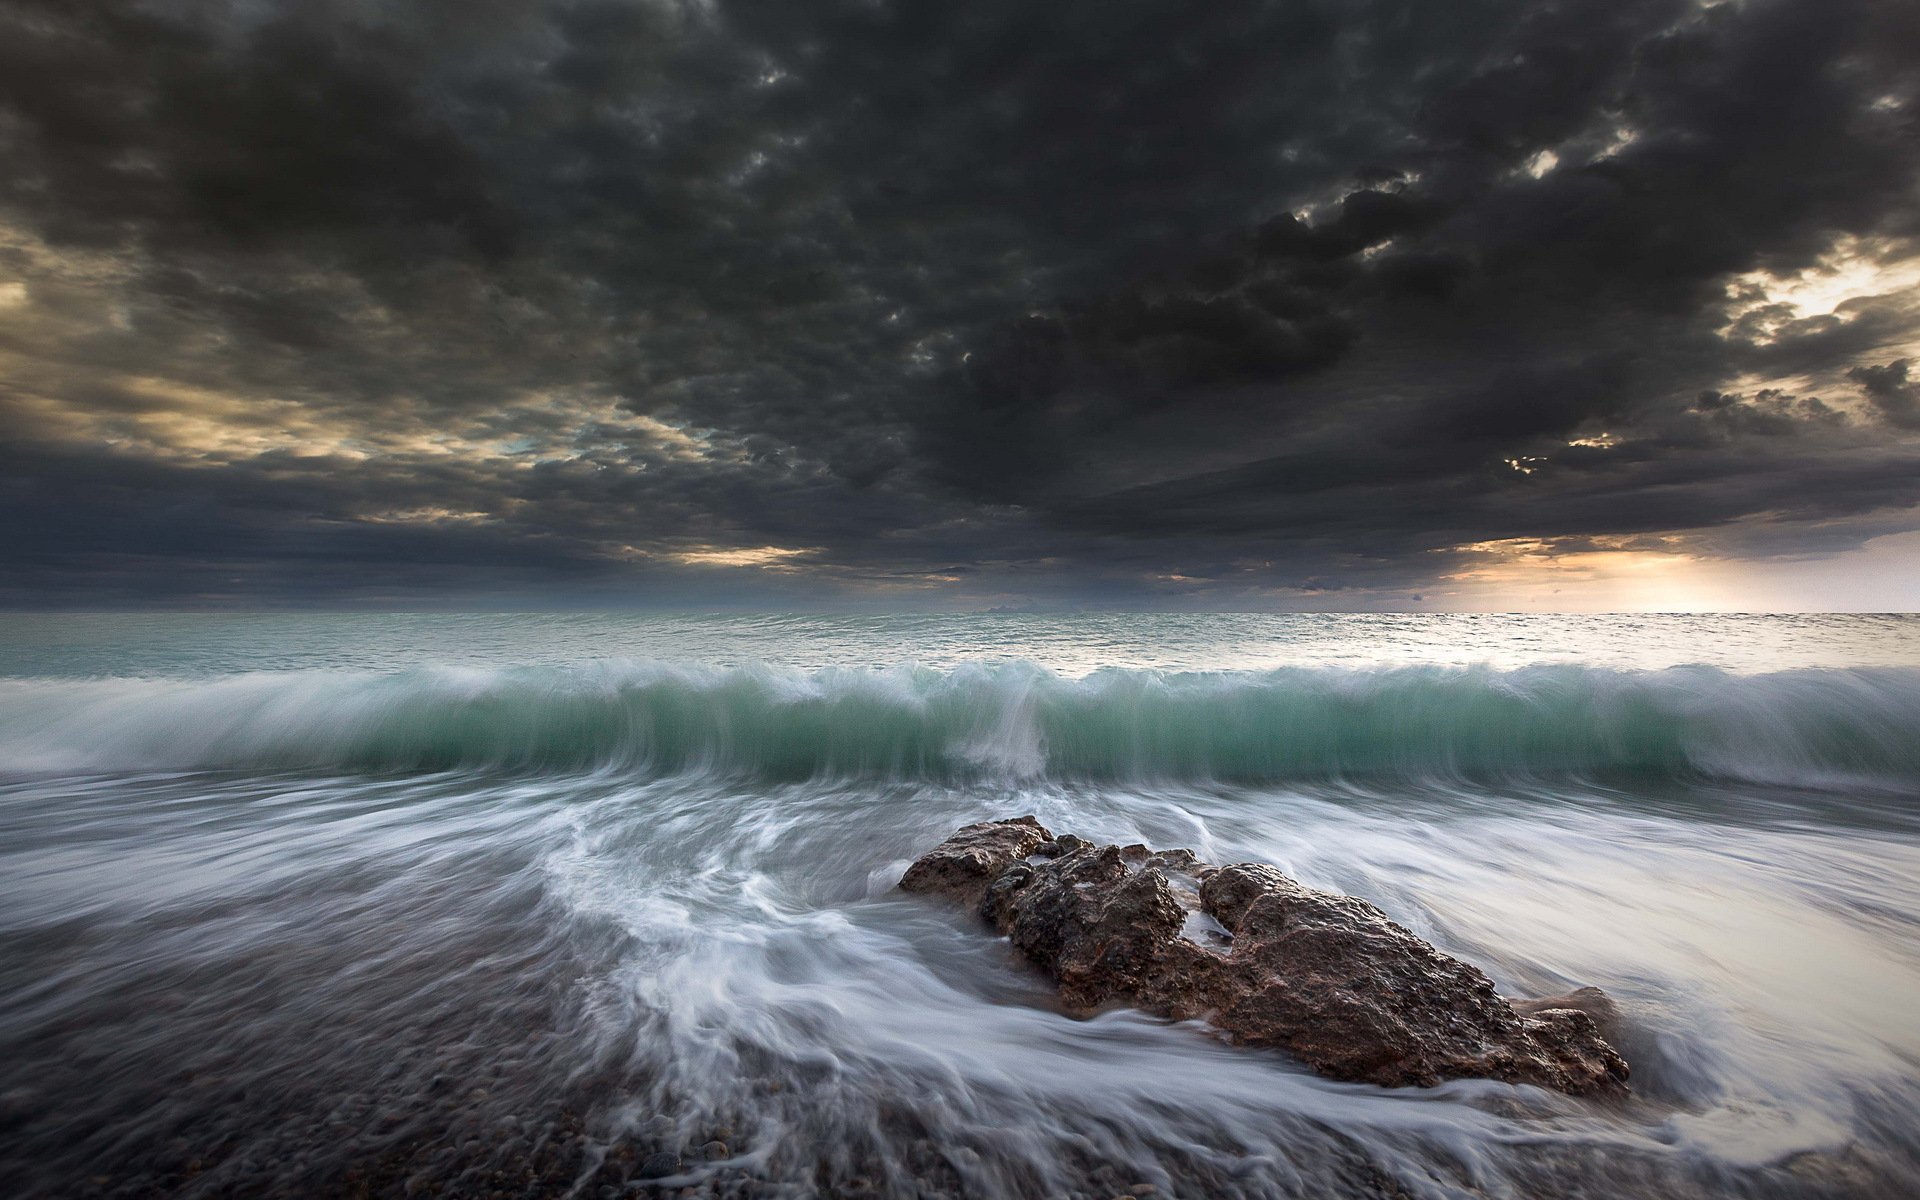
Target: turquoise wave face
point(1012, 722)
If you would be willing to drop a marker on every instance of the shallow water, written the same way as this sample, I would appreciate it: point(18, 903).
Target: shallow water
point(483, 905)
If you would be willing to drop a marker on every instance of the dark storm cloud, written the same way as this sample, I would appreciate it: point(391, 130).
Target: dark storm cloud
point(1895, 396)
point(599, 300)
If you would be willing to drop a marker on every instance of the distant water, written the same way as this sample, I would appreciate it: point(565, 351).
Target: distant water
point(497, 904)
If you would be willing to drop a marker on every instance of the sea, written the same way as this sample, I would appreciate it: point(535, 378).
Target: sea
point(605, 905)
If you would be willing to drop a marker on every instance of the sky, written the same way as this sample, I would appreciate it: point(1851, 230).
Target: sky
point(878, 304)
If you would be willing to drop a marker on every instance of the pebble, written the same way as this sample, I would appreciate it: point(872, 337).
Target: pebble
point(660, 1165)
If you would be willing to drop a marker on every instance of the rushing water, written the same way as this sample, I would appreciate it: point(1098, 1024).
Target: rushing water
point(515, 905)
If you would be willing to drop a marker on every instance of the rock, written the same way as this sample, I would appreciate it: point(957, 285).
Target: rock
point(1590, 1000)
point(1095, 921)
point(659, 1166)
point(714, 1151)
point(1265, 960)
point(963, 865)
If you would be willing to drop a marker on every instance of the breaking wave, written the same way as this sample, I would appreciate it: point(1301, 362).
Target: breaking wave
point(1013, 721)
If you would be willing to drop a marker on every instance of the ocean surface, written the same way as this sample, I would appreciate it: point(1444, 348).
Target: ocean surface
point(604, 905)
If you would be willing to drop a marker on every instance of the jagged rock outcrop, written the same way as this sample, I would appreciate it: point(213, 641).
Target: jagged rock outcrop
point(1265, 960)
point(962, 866)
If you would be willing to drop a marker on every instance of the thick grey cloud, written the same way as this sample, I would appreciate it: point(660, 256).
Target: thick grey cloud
point(1891, 392)
point(630, 301)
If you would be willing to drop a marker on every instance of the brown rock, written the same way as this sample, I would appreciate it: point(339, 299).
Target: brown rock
point(1093, 920)
point(962, 866)
point(1589, 1000)
point(1265, 960)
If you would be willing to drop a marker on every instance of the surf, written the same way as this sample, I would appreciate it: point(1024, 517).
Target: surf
point(1013, 722)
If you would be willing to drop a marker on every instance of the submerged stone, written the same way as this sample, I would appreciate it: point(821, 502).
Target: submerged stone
point(1265, 960)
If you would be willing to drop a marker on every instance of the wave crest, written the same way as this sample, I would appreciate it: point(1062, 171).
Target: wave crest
point(985, 723)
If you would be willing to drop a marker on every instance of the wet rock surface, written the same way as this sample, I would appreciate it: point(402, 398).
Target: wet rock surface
point(962, 867)
point(1265, 960)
